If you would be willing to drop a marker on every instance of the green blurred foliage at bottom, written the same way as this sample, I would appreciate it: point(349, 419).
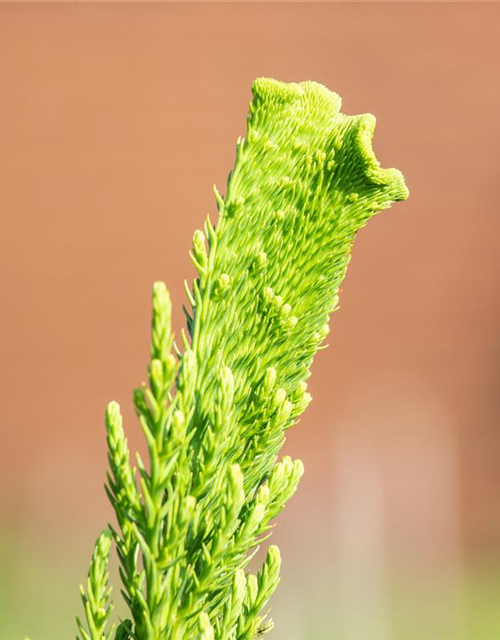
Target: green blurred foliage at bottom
point(39, 598)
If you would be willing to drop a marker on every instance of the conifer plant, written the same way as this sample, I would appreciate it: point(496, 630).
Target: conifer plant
point(216, 408)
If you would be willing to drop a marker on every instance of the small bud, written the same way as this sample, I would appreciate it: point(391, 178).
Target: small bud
point(156, 375)
point(162, 321)
point(301, 398)
point(200, 249)
point(224, 281)
point(323, 332)
point(263, 494)
point(255, 518)
point(277, 302)
point(170, 364)
point(277, 477)
point(297, 472)
point(178, 425)
point(273, 561)
point(287, 464)
point(285, 411)
point(222, 286)
point(269, 380)
point(260, 261)
point(279, 397)
point(290, 322)
point(267, 296)
point(113, 416)
point(162, 304)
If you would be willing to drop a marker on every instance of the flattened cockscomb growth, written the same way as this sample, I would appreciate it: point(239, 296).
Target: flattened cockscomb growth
point(215, 413)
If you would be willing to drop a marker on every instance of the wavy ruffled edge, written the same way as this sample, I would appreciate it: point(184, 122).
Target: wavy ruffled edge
point(391, 180)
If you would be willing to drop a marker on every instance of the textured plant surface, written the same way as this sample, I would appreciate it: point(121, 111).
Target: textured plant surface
point(215, 412)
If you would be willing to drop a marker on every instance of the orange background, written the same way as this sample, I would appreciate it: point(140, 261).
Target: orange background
point(116, 119)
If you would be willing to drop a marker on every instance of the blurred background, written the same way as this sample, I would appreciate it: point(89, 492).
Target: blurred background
point(116, 120)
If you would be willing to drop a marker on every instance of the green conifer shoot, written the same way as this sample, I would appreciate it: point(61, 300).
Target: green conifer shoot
point(215, 411)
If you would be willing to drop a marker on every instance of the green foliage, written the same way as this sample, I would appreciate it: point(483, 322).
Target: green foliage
point(214, 414)
point(96, 598)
